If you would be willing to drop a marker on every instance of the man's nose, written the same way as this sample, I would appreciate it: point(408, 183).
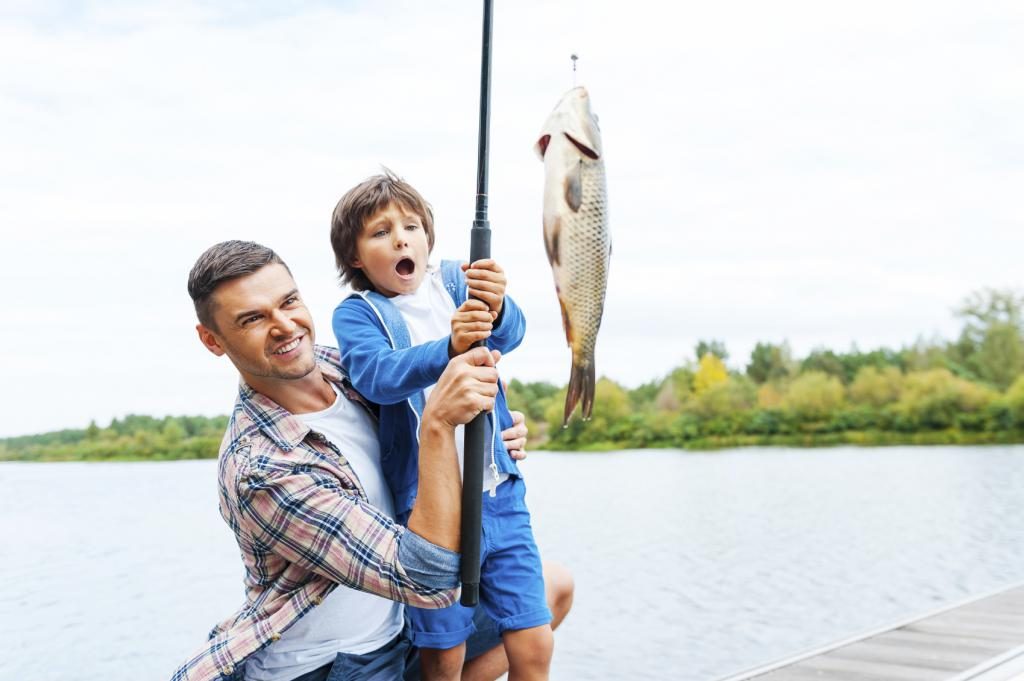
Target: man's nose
point(283, 323)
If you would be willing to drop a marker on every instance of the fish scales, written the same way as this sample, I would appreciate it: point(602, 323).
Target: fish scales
point(576, 234)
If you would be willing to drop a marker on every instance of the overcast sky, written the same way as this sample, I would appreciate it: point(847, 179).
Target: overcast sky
point(822, 172)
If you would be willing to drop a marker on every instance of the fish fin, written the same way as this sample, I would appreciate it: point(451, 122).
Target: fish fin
point(551, 241)
point(574, 188)
point(565, 323)
point(581, 387)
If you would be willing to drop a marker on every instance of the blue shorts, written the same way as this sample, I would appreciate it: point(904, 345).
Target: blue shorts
point(511, 577)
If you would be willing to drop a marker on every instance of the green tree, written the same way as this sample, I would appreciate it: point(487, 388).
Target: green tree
point(991, 344)
point(173, 431)
point(876, 387)
point(714, 347)
point(935, 398)
point(824, 361)
point(813, 396)
point(1015, 400)
point(730, 397)
point(769, 362)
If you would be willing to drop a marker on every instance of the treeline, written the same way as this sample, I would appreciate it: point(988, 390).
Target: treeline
point(133, 438)
point(970, 390)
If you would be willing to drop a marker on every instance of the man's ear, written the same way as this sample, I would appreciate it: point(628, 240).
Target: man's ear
point(209, 339)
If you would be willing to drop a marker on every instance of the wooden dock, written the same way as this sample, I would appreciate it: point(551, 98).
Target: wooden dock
point(981, 639)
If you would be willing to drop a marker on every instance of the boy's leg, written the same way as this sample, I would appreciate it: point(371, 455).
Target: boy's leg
point(512, 583)
point(441, 637)
point(529, 653)
point(438, 664)
point(492, 663)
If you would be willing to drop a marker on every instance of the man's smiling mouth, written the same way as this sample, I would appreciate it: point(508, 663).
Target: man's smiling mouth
point(288, 347)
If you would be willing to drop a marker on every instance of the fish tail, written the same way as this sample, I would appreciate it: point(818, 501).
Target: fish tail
point(581, 387)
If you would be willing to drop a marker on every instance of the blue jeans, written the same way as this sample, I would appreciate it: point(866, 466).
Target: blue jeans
point(398, 659)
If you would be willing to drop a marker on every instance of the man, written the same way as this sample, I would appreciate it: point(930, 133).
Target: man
point(302, 489)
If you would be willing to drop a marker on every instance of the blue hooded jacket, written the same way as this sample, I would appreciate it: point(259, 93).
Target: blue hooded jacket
point(385, 368)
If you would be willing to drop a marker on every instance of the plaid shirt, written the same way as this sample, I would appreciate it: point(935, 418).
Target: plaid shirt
point(304, 525)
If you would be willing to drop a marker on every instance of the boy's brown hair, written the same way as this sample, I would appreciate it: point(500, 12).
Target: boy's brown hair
point(358, 205)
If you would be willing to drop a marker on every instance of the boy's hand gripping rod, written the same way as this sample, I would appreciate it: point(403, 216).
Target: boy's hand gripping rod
point(479, 249)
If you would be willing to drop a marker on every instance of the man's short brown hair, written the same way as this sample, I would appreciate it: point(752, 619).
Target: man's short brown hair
point(358, 205)
point(223, 262)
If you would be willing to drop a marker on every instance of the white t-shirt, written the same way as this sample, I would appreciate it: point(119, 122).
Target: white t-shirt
point(428, 315)
point(348, 621)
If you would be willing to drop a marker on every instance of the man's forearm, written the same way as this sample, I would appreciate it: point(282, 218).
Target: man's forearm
point(437, 511)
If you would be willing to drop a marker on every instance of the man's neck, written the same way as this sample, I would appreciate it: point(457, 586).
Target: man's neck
point(305, 395)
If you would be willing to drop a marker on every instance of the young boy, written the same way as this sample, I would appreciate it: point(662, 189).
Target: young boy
point(396, 335)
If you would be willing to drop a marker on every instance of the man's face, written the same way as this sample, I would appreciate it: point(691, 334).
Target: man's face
point(392, 250)
point(262, 326)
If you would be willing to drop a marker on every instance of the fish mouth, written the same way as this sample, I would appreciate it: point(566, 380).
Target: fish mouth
point(405, 267)
point(584, 149)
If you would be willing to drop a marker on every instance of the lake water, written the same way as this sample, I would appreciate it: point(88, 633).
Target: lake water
point(688, 566)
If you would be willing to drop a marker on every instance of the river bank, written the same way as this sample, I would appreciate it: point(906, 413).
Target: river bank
point(135, 449)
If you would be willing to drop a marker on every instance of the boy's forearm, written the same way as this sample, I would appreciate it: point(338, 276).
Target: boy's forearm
point(388, 376)
point(436, 516)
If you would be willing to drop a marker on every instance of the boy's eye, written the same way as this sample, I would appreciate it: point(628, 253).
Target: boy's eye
point(413, 226)
point(380, 233)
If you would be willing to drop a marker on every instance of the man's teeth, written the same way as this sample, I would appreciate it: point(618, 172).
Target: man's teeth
point(290, 346)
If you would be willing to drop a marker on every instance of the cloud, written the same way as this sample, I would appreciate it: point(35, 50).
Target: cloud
point(822, 173)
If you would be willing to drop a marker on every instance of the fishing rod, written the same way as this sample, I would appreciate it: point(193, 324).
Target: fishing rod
point(476, 431)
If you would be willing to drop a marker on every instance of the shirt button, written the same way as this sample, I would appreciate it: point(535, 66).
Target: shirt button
point(243, 440)
point(229, 669)
point(317, 600)
point(275, 637)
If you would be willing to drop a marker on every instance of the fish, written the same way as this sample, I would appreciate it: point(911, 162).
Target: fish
point(576, 234)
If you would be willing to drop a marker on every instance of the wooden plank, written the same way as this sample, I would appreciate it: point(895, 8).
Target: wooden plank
point(989, 617)
point(906, 637)
point(795, 674)
point(949, 659)
point(1008, 635)
point(953, 643)
point(840, 669)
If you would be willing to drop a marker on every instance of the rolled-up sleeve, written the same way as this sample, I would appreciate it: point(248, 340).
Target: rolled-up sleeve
point(428, 563)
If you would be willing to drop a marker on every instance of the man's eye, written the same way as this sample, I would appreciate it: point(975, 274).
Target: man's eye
point(249, 320)
point(292, 300)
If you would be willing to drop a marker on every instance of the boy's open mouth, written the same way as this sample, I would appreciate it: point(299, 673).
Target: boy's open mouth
point(405, 267)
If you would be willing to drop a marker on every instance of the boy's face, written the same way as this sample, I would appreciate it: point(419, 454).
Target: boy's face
point(392, 250)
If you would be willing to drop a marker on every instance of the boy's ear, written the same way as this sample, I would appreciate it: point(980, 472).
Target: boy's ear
point(209, 340)
point(357, 263)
